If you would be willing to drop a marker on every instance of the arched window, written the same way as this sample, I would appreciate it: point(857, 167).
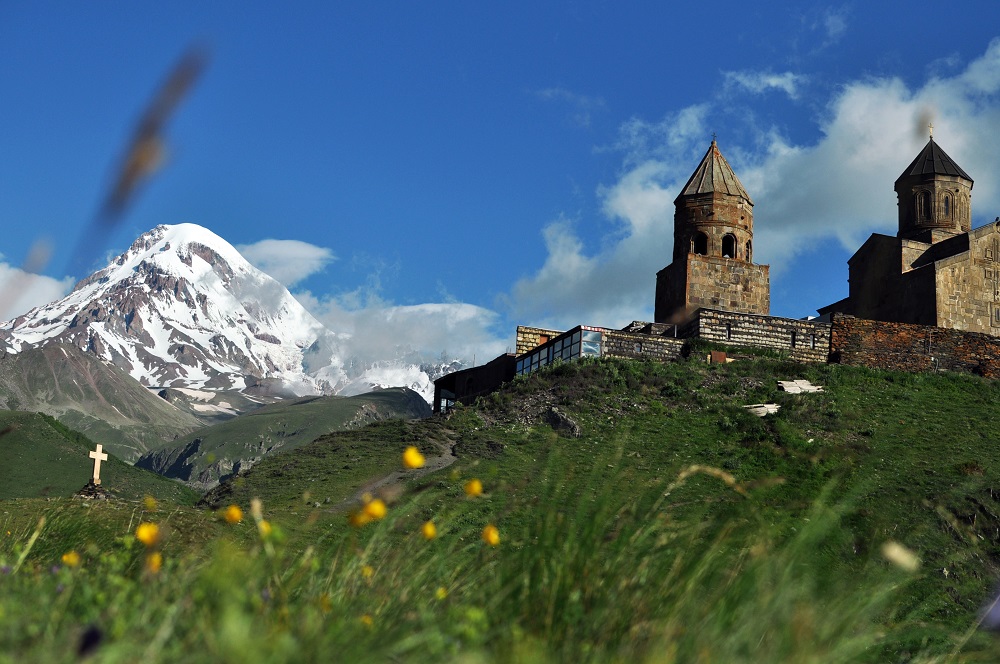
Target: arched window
point(923, 205)
point(749, 254)
point(947, 205)
point(699, 244)
point(729, 246)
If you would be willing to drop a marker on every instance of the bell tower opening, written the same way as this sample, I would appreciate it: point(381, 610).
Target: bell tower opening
point(729, 246)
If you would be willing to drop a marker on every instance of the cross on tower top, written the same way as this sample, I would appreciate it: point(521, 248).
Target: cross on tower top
point(98, 456)
point(930, 127)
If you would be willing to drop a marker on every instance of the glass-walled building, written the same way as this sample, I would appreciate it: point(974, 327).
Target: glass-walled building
point(582, 341)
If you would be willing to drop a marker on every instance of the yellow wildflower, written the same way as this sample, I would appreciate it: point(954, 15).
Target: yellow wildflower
point(150, 503)
point(71, 559)
point(233, 514)
point(358, 519)
point(491, 535)
point(429, 530)
point(367, 571)
point(441, 593)
point(154, 561)
point(375, 509)
point(264, 528)
point(148, 533)
point(367, 620)
point(473, 488)
point(412, 458)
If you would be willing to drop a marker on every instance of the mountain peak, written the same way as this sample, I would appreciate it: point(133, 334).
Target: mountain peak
point(182, 308)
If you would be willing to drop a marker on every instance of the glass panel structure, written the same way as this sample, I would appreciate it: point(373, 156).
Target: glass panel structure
point(576, 343)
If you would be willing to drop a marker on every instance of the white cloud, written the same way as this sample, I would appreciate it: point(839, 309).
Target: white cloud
point(21, 291)
point(759, 82)
point(840, 186)
point(583, 107)
point(377, 330)
point(835, 24)
point(288, 261)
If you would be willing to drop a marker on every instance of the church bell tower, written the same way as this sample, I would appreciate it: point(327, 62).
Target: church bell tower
point(934, 196)
point(713, 248)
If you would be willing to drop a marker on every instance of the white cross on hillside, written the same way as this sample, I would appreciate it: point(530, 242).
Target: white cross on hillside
point(98, 457)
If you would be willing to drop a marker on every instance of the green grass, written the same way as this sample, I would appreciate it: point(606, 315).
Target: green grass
point(44, 458)
point(677, 528)
point(275, 428)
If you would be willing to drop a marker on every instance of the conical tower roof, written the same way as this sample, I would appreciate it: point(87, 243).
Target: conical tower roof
point(932, 160)
point(714, 174)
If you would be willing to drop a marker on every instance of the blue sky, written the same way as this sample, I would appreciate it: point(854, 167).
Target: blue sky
point(429, 175)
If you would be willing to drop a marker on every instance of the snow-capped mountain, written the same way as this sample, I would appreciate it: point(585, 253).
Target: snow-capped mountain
point(183, 308)
point(398, 373)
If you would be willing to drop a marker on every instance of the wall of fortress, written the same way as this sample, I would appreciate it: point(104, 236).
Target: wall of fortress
point(632, 345)
point(908, 347)
point(803, 340)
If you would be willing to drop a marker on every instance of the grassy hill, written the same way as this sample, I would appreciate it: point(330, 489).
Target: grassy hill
point(855, 525)
point(207, 455)
point(44, 458)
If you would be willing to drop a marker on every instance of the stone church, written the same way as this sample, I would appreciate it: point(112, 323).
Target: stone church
point(936, 270)
point(713, 248)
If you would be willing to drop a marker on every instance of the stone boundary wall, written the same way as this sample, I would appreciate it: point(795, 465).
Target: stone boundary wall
point(630, 345)
point(811, 338)
point(909, 347)
point(529, 338)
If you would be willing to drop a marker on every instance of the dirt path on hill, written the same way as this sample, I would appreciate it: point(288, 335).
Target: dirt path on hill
point(389, 486)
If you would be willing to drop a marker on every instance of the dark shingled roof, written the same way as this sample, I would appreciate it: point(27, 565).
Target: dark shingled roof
point(932, 160)
point(714, 174)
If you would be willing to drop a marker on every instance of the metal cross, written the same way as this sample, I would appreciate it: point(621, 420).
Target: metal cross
point(930, 126)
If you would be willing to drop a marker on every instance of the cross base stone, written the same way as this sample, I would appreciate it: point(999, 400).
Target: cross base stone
point(93, 491)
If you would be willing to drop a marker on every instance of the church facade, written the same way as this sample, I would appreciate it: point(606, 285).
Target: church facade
point(936, 270)
point(713, 248)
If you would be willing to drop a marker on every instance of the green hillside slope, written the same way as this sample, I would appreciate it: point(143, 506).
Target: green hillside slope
point(882, 457)
point(858, 524)
point(43, 458)
point(205, 456)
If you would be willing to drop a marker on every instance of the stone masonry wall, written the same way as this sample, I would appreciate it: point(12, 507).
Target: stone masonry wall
point(529, 338)
point(732, 285)
point(633, 345)
point(806, 341)
point(908, 347)
point(968, 285)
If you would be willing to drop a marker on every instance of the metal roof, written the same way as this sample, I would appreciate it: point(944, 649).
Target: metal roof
point(714, 174)
point(932, 160)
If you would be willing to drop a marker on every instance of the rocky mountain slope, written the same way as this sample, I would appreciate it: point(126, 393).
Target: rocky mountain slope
point(90, 396)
